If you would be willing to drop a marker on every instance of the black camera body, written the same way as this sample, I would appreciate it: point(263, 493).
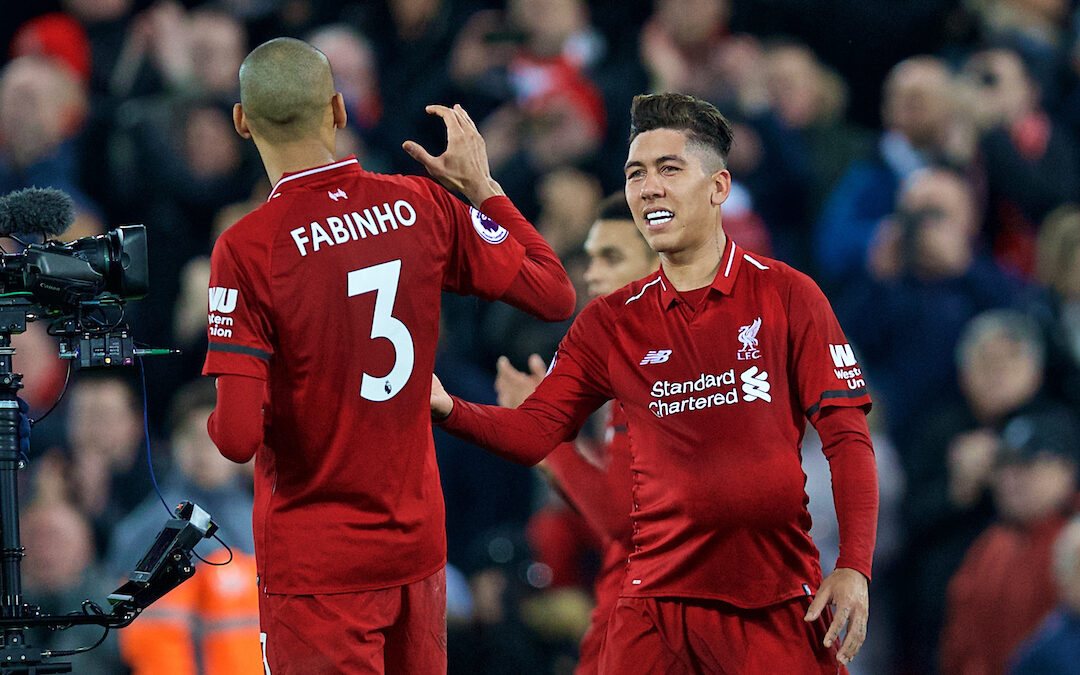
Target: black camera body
point(64, 275)
point(81, 287)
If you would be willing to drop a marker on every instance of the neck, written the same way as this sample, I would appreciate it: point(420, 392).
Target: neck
point(282, 158)
point(694, 268)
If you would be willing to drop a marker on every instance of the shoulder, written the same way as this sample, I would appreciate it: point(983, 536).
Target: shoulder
point(644, 289)
point(421, 186)
point(761, 270)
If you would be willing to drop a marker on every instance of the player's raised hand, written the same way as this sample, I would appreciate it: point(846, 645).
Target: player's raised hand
point(464, 166)
point(441, 403)
point(845, 589)
point(513, 386)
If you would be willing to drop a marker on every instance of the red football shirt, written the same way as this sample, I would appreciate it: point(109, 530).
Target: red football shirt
point(717, 397)
point(330, 292)
point(600, 489)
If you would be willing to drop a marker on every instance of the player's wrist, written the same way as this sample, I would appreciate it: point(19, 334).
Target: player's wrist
point(440, 411)
point(483, 191)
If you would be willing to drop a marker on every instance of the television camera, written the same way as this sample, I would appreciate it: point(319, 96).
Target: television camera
point(79, 288)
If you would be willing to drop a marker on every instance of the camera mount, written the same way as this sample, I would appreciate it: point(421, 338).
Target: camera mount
point(79, 287)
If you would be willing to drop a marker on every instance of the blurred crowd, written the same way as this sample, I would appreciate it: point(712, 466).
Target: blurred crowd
point(920, 159)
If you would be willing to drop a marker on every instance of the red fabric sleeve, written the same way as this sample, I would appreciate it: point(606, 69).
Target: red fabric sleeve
point(236, 425)
point(541, 286)
point(602, 495)
point(845, 440)
point(575, 386)
point(517, 435)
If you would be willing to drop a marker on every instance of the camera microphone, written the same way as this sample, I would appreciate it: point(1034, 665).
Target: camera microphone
point(45, 211)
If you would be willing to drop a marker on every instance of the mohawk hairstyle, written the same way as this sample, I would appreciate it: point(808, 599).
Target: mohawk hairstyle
point(699, 120)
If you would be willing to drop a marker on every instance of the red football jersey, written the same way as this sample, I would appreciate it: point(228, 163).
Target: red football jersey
point(717, 399)
point(331, 293)
point(600, 489)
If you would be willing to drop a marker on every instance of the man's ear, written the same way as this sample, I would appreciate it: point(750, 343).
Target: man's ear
point(721, 187)
point(337, 104)
point(240, 122)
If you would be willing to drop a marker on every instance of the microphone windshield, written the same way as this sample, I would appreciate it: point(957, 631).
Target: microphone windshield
point(44, 211)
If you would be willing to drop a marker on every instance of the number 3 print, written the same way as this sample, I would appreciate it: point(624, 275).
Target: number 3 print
point(383, 279)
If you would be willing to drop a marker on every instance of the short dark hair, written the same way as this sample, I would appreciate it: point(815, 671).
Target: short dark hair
point(614, 207)
point(699, 120)
point(285, 87)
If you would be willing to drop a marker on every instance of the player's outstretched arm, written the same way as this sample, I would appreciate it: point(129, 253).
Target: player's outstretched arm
point(464, 165)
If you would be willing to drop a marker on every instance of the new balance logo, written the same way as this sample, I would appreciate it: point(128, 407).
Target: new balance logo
point(756, 385)
point(842, 356)
point(222, 300)
point(338, 194)
point(655, 356)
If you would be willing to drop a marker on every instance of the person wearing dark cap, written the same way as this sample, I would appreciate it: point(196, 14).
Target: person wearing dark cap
point(1005, 587)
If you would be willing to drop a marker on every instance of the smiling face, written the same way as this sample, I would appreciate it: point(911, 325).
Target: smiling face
point(674, 189)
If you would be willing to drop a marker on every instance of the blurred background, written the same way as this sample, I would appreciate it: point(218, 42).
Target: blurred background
point(918, 158)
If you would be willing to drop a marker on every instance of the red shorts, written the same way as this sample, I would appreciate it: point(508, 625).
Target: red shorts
point(654, 635)
point(396, 630)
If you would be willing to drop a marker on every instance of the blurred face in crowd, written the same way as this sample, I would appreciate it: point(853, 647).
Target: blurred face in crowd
point(691, 22)
point(999, 375)
point(617, 256)
point(40, 106)
point(675, 189)
point(196, 455)
point(102, 420)
point(917, 102)
point(218, 46)
point(793, 81)
point(1002, 90)
point(1035, 489)
point(1069, 283)
point(548, 23)
point(1067, 564)
point(58, 546)
point(211, 146)
point(939, 206)
point(355, 73)
point(93, 11)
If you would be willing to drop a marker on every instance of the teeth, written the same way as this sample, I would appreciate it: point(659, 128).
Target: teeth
point(659, 215)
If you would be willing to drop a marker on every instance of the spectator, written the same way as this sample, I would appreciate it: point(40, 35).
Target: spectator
point(1052, 648)
point(60, 571)
point(1034, 484)
point(1000, 363)
point(100, 468)
point(923, 259)
point(1058, 307)
point(209, 624)
point(1031, 162)
point(42, 107)
point(811, 99)
point(356, 77)
point(917, 114)
point(198, 473)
